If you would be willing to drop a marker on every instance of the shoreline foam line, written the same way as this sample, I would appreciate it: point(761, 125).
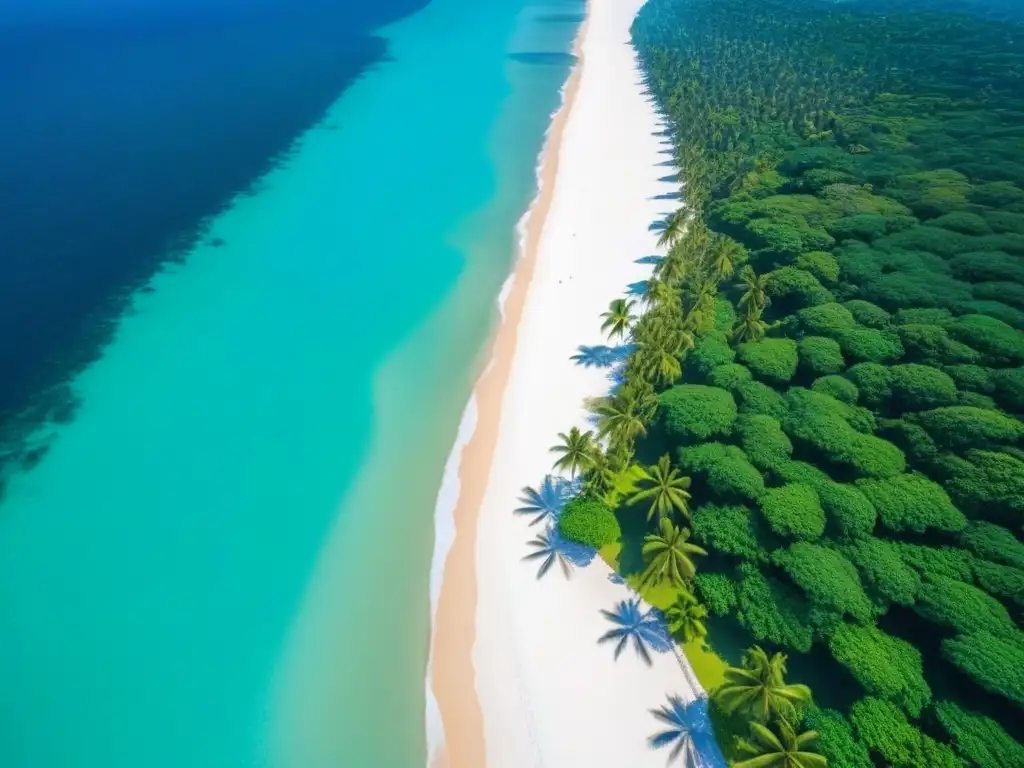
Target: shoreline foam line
point(457, 739)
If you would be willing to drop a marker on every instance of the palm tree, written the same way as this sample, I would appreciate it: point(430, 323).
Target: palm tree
point(619, 318)
point(547, 548)
point(621, 417)
point(686, 616)
point(667, 490)
point(668, 554)
point(545, 502)
point(759, 689)
point(600, 478)
point(576, 450)
point(782, 748)
point(672, 268)
point(725, 253)
point(755, 293)
point(674, 229)
point(750, 327)
point(632, 623)
point(689, 725)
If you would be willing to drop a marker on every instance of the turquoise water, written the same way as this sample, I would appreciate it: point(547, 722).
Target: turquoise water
point(223, 559)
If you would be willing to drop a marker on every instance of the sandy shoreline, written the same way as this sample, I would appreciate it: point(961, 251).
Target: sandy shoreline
point(516, 670)
point(451, 668)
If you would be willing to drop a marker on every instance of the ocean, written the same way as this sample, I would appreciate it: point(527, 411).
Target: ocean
point(251, 253)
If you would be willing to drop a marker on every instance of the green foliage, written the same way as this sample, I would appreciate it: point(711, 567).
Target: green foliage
point(886, 666)
point(1000, 580)
point(826, 577)
point(757, 397)
point(937, 562)
point(1009, 386)
point(988, 485)
point(910, 438)
point(836, 740)
point(826, 319)
point(797, 287)
point(590, 522)
point(972, 377)
point(962, 426)
point(978, 739)
point(793, 511)
point(883, 570)
point(918, 387)
point(995, 663)
point(763, 441)
point(1008, 293)
point(730, 376)
point(693, 413)
point(999, 343)
point(725, 470)
point(871, 345)
point(963, 222)
point(931, 344)
point(1009, 315)
point(821, 264)
point(912, 502)
point(821, 355)
point(993, 542)
point(872, 382)
point(772, 611)
point(841, 389)
point(884, 729)
point(963, 607)
point(772, 360)
point(865, 226)
point(717, 592)
point(729, 529)
point(868, 314)
point(709, 353)
point(847, 509)
point(987, 266)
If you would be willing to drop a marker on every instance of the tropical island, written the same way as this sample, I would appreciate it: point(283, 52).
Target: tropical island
point(813, 456)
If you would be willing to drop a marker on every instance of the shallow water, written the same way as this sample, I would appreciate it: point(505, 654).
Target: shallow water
point(223, 558)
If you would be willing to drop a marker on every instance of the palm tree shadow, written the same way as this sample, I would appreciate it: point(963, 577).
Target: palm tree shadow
point(551, 548)
point(653, 259)
point(690, 731)
point(638, 288)
point(645, 630)
point(545, 502)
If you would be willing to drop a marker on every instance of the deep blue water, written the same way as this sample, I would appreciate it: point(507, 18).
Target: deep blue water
point(123, 125)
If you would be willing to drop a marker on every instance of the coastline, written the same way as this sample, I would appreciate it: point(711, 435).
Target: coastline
point(455, 728)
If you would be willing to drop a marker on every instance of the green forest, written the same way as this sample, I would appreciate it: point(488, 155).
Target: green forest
point(821, 411)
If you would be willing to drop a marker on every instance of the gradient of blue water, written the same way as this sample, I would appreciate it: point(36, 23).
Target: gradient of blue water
point(321, 338)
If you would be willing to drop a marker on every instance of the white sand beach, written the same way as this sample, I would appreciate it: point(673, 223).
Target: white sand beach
point(537, 688)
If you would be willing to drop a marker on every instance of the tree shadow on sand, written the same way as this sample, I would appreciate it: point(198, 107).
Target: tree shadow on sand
point(689, 733)
point(646, 630)
point(552, 548)
point(602, 355)
point(653, 259)
point(545, 502)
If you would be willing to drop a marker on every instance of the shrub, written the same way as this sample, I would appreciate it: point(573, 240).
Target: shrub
point(729, 529)
point(590, 522)
point(886, 666)
point(961, 426)
point(994, 663)
point(993, 542)
point(936, 562)
point(972, 377)
point(709, 353)
point(763, 440)
point(1000, 580)
point(756, 397)
point(868, 314)
point(774, 360)
point(866, 226)
point(978, 739)
point(1009, 315)
point(847, 509)
point(729, 376)
point(882, 568)
point(1009, 293)
point(821, 355)
point(988, 485)
point(717, 592)
point(912, 502)
point(987, 266)
point(796, 287)
point(920, 288)
point(872, 382)
point(725, 315)
point(886, 732)
point(793, 511)
point(692, 412)
point(725, 470)
point(841, 389)
point(771, 611)
point(826, 577)
point(835, 739)
point(931, 345)
point(917, 387)
point(963, 607)
point(826, 319)
point(1009, 386)
point(963, 222)
point(999, 343)
point(821, 264)
point(870, 344)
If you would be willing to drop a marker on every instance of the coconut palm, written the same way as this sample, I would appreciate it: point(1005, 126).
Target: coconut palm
point(576, 451)
point(759, 690)
point(619, 318)
point(632, 623)
point(686, 616)
point(666, 489)
point(674, 229)
point(781, 747)
point(668, 555)
point(599, 480)
point(622, 417)
point(755, 289)
point(672, 268)
point(547, 549)
point(750, 327)
point(725, 252)
point(546, 501)
point(689, 729)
